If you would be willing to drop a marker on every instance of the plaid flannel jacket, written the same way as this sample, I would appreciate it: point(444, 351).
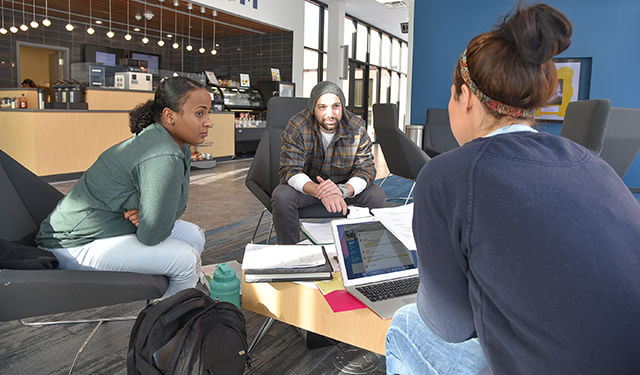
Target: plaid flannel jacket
point(348, 155)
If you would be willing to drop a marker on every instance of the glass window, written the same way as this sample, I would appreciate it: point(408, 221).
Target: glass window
point(374, 56)
point(362, 43)
point(384, 86)
point(348, 35)
point(310, 75)
point(395, 54)
point(385, 52)
point(373, 86)
point(345, 89)
point(403, 97)
point(311, 25)
point(395, 87)
point(325, 29)
point(404, 60)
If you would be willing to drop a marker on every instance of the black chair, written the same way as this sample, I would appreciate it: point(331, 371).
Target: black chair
point(622, 141)
point(25, 201)
point(585, 122)
point(403, 157)
point(262, 177)
point(437, 136)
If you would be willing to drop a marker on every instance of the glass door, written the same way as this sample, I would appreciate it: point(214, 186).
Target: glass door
point(359, 92)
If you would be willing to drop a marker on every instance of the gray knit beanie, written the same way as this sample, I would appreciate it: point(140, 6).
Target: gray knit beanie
point(323, 88)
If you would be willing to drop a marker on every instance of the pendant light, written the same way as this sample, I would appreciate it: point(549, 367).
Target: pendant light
point(24, 26)
point(127, 36)
point(145, 40)
point(175, 35)
point(214, 51)
point(202, 11)
point(90, 29)
point(34, 23)
point(161, 42)
point(190, 8)
point(110, 33)
point(46, 22)
point(13, 27)
point(69, 26)
point(3, 30)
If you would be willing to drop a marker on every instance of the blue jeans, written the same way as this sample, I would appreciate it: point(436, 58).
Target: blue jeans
point(177, 257)
point(411, 348)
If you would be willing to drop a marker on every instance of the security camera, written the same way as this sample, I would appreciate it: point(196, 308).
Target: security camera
point(148, 15)
point(138, 17)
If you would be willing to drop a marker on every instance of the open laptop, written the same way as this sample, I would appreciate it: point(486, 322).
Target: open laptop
point(374, 263)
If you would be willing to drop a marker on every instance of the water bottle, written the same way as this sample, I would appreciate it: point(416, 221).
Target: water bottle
point(225, 285)
point(41, 98)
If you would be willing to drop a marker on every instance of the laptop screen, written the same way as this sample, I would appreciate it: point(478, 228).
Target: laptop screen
point(369, 249)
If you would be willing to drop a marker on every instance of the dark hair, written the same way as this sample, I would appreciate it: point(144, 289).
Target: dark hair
point(28, 82)
point(171, 93)
point(512, 63)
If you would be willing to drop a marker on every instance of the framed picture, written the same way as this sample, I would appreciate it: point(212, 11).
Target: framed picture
point(574, 83)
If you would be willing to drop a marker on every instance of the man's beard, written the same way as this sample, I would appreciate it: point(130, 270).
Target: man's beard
point(329, 128)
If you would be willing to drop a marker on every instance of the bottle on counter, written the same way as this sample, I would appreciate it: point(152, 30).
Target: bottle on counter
point(22, 101)
point(41, 98)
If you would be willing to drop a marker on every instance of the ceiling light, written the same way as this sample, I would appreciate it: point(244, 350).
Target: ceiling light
point(46, 21)
point(393, 4)
point(69, 26)
point(161, 42)
point(90, 30)
point(214, 51)
point(13, 27)
point(145, 40)
point(24, 26)
point(202, 11)
point(175, 44)
point(34, 23)
point(110, 33)
point(190, 8)
point(3, 30)
point(127, 36)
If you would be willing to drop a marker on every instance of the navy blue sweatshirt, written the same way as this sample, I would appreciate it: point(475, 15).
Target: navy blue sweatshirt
point(532, 243)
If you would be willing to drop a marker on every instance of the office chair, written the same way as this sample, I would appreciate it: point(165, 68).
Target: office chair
point(437, 137)
point(404, 158)
point(585, 122)
point(25, 201)
point(262, 177)
point(622, 141)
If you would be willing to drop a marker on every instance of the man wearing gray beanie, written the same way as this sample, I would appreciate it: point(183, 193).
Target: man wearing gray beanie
point(325, 158)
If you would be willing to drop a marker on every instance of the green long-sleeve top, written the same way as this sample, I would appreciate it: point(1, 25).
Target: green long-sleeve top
point(147, 172)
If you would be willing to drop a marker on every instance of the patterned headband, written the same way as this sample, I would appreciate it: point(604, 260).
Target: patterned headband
point(494, 105)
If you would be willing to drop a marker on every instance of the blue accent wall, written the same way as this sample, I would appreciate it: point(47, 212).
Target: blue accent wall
point(607, 31)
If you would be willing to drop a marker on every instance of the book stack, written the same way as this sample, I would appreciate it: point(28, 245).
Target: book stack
point(273, 263)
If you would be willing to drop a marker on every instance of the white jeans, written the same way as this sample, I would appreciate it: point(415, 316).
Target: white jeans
point(177, 257)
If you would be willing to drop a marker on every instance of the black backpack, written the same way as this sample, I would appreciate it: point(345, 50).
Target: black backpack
point(188, 334)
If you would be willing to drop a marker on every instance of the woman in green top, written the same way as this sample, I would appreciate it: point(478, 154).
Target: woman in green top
point(122, 214)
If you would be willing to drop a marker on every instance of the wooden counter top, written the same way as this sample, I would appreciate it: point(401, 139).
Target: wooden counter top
point(51, 142)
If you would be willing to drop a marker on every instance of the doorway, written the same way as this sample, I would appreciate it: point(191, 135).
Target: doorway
point(360, 93)
point(42, 63)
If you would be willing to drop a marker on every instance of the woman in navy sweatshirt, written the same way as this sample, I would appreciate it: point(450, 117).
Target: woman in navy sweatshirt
point(528, 244)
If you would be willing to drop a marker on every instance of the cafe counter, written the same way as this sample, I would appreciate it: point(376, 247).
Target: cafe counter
point(53, 142)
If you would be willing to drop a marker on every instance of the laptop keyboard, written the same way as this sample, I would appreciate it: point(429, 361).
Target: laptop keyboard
point(390, 289)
